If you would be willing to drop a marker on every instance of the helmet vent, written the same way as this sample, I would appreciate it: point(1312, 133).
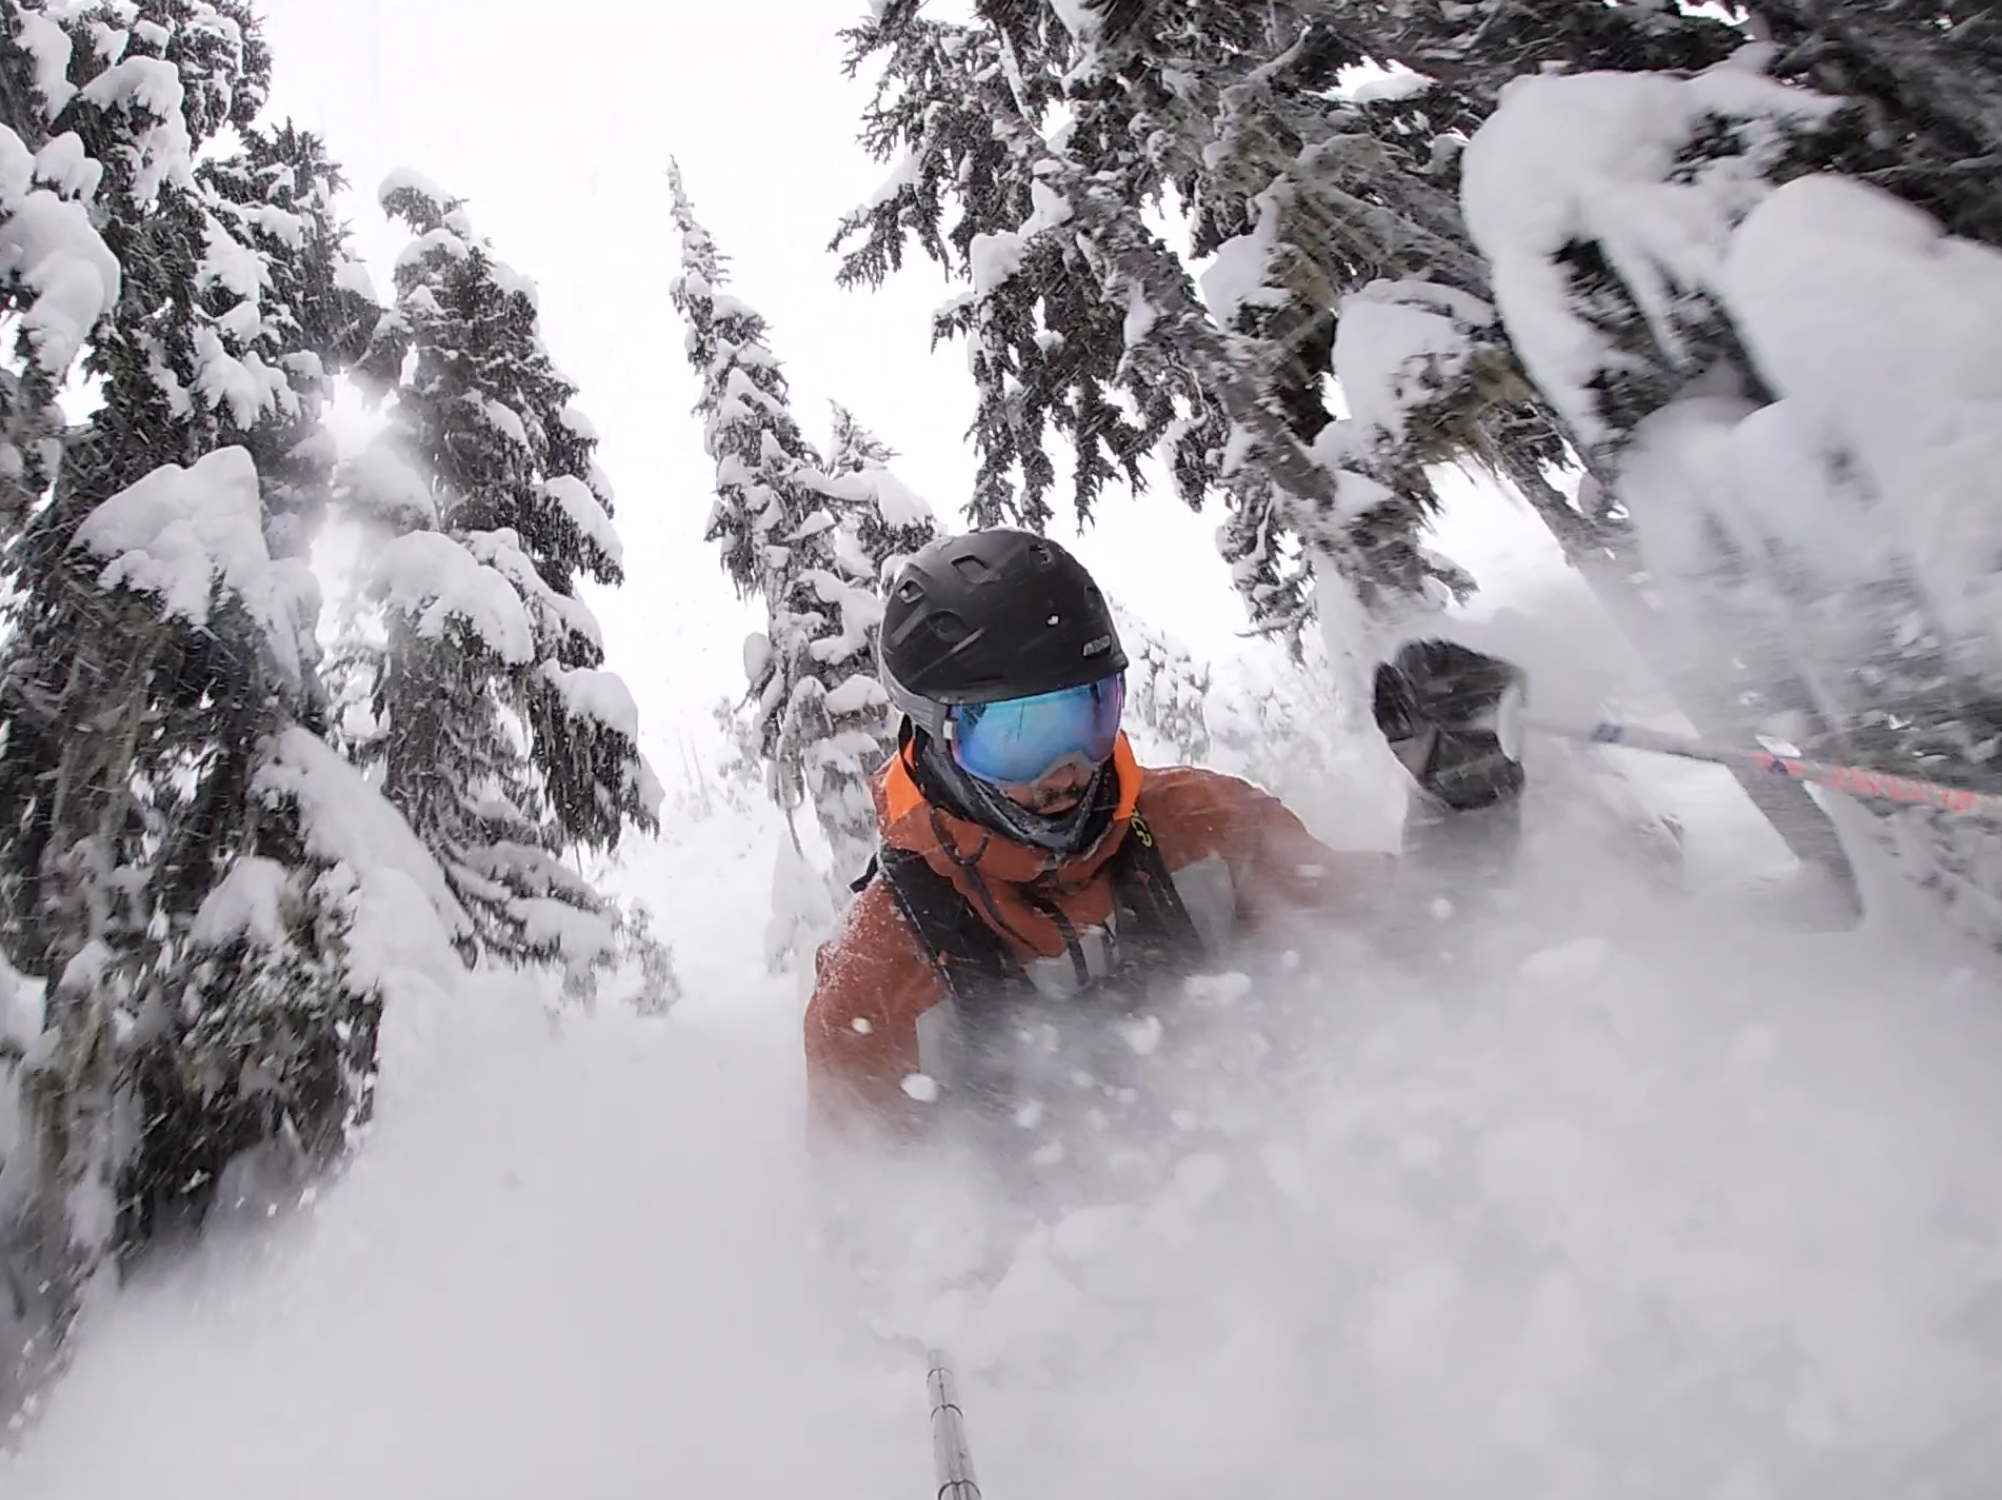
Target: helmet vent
point(972, 569)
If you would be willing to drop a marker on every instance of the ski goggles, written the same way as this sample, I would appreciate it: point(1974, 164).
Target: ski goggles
point(1019, 741)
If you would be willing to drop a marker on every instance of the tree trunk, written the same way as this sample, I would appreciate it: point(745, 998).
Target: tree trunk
point(73, 1088)
point(1703, 688)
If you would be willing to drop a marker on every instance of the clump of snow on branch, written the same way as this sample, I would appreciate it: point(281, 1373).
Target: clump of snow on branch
point(1605, 159)
point(996, 257)
point(148, 89)
point(387, 485)
point(49, 246)
point(1238, 275)
point(404, 920)
point(185, 535)
point(50, 47)
point(247, 902)
point(602, 697)
point(1399, 344)
point(585, 513)
point(1831, 281)
point(433, 580)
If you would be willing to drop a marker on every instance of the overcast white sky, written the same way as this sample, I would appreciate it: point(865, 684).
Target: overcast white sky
point(556, 124)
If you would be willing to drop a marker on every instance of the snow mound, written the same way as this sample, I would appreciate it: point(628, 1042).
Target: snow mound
point(1636, 1210)
point(491, 1315)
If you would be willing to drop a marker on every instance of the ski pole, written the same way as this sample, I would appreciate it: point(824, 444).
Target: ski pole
point(951, 1460)
point(1855, 780)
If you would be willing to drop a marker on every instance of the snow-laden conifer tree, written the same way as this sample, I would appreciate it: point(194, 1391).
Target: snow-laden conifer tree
point(1042, 339)
point(276, 195)
point(60, 277)
point(1079, 317)
point(498, 733)
point(1705, 308)
point(809, 537)
point(1166, 689)
point(885, 519)
point(205, 974)
point(1082, 319)
point(1338, 248)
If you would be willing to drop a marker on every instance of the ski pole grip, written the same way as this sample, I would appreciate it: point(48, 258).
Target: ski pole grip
point(951, 1461)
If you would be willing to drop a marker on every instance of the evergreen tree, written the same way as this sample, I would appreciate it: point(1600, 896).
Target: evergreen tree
point(499, 736)
point(887, 521)
point(1079, 309)
point(1924, 84)
point(1340, 245)
point(56, 295)
point(811, 539)
point(1059, 316)
point(1700, 384)
point(1042, 338)
point(1339, 250)
point(159, 662)
point(1166, 689)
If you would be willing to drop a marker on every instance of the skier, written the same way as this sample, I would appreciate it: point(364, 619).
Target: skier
point(1026, 858)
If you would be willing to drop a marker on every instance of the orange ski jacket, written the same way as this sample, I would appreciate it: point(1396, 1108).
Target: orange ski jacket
point(1237, 855)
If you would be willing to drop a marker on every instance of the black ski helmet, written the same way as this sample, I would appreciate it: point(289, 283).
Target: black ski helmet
point(992, 615)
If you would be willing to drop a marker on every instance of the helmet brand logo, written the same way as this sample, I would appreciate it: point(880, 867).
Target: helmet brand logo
point(1098, 647)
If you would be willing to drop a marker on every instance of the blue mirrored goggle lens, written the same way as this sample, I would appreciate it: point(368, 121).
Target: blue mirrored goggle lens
point(1019, 741)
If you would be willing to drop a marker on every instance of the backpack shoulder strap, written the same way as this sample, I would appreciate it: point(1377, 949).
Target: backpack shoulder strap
point(971, 958)
point(969, 954)
point(1145, 889)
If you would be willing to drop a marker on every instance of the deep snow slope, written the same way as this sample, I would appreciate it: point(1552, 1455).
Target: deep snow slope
point(570, 1264)
point(1584, 1191)
point(1619, 1196)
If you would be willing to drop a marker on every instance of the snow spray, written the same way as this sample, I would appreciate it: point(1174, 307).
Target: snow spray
point(1880, 786)
point(950, 1456)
